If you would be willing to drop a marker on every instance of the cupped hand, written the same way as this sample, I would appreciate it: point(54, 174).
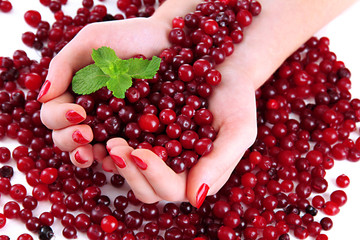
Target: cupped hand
point(234, 109)
point(232, 104)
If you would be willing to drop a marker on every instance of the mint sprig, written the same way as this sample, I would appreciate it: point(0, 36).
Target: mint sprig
point(114, 73)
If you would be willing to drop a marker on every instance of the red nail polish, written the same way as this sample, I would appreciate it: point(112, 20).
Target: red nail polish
point(79, 159)
point(73, 117)
point(78, 138)
point(118, 161)
point(108, 149)
point(140, 163)
point(201, 194)
point(44, 89)
point(106, 169)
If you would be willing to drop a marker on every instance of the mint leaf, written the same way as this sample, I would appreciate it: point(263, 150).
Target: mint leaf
point(108, 70)
point(118, 67)
point(119, 84)
point(103, 58)
point(88, 80)
point(142, 68)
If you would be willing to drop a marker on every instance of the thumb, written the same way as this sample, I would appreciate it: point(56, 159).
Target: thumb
point(75, 55)
point(213, 170)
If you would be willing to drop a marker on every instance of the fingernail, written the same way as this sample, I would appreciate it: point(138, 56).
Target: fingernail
point(106, 168)
point(73, 117)
point(79, 138)
point(140, 163)
point(118, 161)
point(44, 89)
point(201, 194)
point(79, 159)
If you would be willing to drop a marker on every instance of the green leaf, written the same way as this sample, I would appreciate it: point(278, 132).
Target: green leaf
point(119, 84)
point(142, 68)
point(119, 67)
point(103, 58)
point(88, 80)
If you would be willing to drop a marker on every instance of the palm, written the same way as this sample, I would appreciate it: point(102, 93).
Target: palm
point(233, 106)
point(130, 37)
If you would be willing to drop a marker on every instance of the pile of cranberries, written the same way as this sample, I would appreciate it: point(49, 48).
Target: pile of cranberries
point(305, 115)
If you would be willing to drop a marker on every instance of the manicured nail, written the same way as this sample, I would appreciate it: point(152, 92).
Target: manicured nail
point(79, 159)
point(44, 89)
point(106, 168)
point(79, 138)
point(140, 163)
point(118, 161)
point(108, 148)
point(201, 194)
point(73, 117)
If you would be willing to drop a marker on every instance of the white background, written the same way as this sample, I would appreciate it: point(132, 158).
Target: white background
point(344, 37)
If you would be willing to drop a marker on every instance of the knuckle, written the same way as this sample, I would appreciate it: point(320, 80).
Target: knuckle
point(148, 199)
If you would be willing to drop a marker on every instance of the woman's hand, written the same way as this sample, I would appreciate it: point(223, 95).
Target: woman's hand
point(234, 120)
point(127, 38)
point(233, 106)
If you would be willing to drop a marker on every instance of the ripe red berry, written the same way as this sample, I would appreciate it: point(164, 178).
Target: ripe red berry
point(5, 6)
point(149, 122)
point(343, 181)
point(33, 81)
point(178, 22)
point(109, 224)
point(32, 17)
point(49, 175)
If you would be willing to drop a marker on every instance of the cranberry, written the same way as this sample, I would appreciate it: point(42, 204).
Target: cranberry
point(343, 181)
point(32, 18)
point(109, 224)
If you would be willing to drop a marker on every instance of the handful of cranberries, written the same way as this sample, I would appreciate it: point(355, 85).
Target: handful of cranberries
point(168, 114)
point(305, 117)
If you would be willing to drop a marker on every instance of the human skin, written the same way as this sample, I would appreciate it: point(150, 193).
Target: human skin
point(279, 30)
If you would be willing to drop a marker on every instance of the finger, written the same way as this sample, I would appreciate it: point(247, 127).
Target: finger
point(82, 156)
point(99, 152)
point(136, 180)
point(102, 157)
point(115, 142)
point(61, 112)
point(167, 184)
point(75, 55)
point(67, 139)
point(214, 169)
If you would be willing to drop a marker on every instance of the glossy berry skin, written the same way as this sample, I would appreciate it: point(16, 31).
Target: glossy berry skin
point(149, 122)
point(5, 154)
point(5, 6)
point(342, 181)
point(331, 208)
point(11, 209)
point(109, 224)
point(201, 67)
point(49, 175)
point(339, 197)
point(32, 18)
point(178, 22)
point(33, 81)
point(210, 27)
point(18, 192)
point(244, 18)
